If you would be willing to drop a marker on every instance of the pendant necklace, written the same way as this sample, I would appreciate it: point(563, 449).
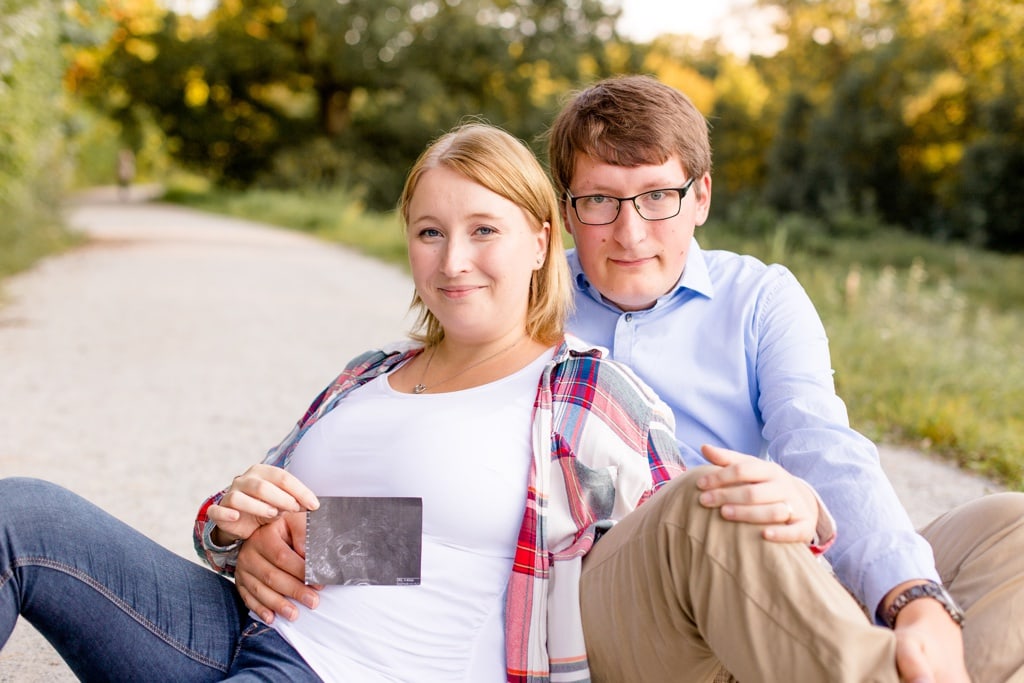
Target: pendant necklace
point(421, 387)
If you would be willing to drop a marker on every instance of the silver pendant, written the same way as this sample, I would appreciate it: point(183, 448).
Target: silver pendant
point(418, 389)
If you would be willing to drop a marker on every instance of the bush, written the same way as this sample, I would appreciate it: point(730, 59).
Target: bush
point(31, 142)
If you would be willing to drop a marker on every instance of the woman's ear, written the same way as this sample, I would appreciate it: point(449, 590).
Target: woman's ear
point(543, 238)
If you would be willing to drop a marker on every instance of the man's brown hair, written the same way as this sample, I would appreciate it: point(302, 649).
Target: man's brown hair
point(629, 121)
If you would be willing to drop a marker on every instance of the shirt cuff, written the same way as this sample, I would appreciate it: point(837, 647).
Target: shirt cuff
point(825, 532)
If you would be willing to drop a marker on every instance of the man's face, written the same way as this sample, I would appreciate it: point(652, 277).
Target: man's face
point(633, 261)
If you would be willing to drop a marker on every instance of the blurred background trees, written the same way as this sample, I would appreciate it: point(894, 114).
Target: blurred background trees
point(863, 113)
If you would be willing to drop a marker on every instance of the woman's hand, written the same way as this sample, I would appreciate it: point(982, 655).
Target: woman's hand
point(755, 491)
point(258, 496)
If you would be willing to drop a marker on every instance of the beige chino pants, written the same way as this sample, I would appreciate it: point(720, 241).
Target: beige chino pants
point(979, 552)
point(675, 593)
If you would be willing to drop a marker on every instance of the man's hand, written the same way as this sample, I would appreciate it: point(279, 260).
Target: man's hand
point(755, 491)
point(271, 568)
point(929, 644)
point(257, 496)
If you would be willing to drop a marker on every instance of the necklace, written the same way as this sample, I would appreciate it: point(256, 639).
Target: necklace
point(421, 387)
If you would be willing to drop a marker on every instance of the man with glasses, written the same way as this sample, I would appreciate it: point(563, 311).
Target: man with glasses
point(738, 351)
point(717, 572)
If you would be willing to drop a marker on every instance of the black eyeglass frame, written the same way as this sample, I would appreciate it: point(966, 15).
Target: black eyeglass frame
point(618, 207)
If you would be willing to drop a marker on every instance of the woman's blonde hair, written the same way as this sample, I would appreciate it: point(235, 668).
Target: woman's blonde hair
point(491, 157)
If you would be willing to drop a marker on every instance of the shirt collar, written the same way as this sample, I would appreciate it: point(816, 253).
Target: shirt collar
point(695, 278)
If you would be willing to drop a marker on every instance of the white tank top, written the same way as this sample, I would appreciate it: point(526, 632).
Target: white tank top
point(467, 454)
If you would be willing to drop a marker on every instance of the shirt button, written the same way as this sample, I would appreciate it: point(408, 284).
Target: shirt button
point(629, 317)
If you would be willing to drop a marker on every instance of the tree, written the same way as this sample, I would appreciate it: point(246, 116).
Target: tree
point(907, 108)
point(33, 41)
point(351, 89)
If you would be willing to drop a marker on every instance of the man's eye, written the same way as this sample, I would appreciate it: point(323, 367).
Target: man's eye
point(596, 199)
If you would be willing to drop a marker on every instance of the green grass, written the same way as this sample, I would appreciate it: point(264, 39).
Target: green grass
point(926, 338)
point(330, 215)
point(24, 242)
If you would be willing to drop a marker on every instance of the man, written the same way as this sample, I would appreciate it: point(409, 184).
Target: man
point(680, 590)
point(738, 351)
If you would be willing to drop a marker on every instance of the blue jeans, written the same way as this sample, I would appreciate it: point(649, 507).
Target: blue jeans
point(118, 606)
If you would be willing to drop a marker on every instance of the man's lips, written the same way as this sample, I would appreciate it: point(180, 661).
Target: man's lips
point(632, 262)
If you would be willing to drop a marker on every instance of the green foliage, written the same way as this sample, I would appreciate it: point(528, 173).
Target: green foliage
point(363, 83)
point(909, 110)
point(31, 152)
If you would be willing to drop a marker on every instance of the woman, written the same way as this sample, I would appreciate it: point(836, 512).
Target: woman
point(518, 440)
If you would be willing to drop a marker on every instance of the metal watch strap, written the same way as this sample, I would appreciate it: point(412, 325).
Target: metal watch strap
point(923, 590)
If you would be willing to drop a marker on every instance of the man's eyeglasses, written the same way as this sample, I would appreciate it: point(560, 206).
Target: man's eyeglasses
point(655, 205)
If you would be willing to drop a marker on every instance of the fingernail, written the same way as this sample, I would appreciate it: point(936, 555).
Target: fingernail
point(271, 512)
point(706, 499)
point(290, 613)
point(728, 511)
point(702, 483)
point(267, 617)
point(310, 600)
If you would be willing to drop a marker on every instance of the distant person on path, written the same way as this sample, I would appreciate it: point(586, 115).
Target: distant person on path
point(125, 172)
point(738, 351)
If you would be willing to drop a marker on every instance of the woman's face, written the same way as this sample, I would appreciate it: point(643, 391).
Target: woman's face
point(472, 254)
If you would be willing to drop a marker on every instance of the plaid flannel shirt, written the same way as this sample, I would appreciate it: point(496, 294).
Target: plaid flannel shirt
point(602, 444)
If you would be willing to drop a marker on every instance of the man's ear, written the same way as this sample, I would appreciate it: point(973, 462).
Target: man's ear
point(565, 218)
point(703, 200)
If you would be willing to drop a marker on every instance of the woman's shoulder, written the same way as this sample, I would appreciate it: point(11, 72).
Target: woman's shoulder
point(573, 346)
point(394, 352)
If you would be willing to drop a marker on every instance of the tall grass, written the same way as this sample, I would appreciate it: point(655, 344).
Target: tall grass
point(926, 339)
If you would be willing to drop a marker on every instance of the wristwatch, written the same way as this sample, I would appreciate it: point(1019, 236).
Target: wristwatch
point(931, 590)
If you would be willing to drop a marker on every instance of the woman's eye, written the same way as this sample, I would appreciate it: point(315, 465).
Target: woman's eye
point(486, 230)
point(430, 232)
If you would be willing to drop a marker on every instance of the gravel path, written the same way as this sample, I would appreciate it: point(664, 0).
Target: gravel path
point(147, 368)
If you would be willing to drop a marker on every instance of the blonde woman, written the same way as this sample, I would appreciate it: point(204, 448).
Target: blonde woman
point(520, 441)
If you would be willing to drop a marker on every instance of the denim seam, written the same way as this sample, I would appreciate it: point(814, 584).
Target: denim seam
point(254, 629)
point(118, 602)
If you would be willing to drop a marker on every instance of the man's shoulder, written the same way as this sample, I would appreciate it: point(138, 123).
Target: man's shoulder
point(728, 269)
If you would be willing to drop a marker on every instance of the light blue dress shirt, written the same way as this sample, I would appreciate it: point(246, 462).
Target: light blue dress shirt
point(739, 353)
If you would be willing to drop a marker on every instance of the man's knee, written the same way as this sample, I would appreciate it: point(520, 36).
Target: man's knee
point(995, 514)
point(990, 528)
point(677, 504)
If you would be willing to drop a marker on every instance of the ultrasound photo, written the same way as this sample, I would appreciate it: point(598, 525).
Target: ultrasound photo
point(356, 541)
